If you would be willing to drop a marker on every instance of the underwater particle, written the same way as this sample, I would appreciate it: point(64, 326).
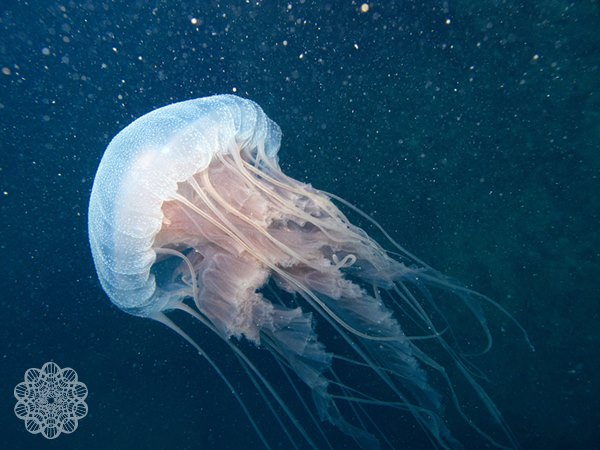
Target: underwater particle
point(6, 71)
point(364, 8)
point(45, 51)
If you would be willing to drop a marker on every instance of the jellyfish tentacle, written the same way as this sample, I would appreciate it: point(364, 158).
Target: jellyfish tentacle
point(162, 318)
point(437, 278)
point(232, 231)
point(253, 371)
point(221, 201)
point(427, 419)
point(284, 205)
point(285, 368)
point(425, 415)
point(292, 336)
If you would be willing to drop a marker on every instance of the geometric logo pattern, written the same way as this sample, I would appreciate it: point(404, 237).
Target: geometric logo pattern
point(51, 400)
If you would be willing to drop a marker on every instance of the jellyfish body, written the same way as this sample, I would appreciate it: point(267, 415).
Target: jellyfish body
point(190, 211)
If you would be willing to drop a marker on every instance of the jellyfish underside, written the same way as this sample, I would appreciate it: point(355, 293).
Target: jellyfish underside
point(264, 257)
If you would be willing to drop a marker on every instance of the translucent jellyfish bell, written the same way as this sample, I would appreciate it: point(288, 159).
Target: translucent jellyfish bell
point(190, 211)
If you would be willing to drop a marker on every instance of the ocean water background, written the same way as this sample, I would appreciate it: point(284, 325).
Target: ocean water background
point(469, 130)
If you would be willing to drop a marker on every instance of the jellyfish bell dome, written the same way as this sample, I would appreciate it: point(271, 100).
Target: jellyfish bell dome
point(191, 212)
point(140, 170)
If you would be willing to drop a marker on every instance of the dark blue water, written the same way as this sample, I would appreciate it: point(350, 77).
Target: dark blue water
point(470, 130)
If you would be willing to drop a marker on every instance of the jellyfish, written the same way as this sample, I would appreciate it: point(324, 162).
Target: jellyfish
point(191, 212)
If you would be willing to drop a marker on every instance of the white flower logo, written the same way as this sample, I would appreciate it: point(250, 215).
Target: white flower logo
point(51, 400)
